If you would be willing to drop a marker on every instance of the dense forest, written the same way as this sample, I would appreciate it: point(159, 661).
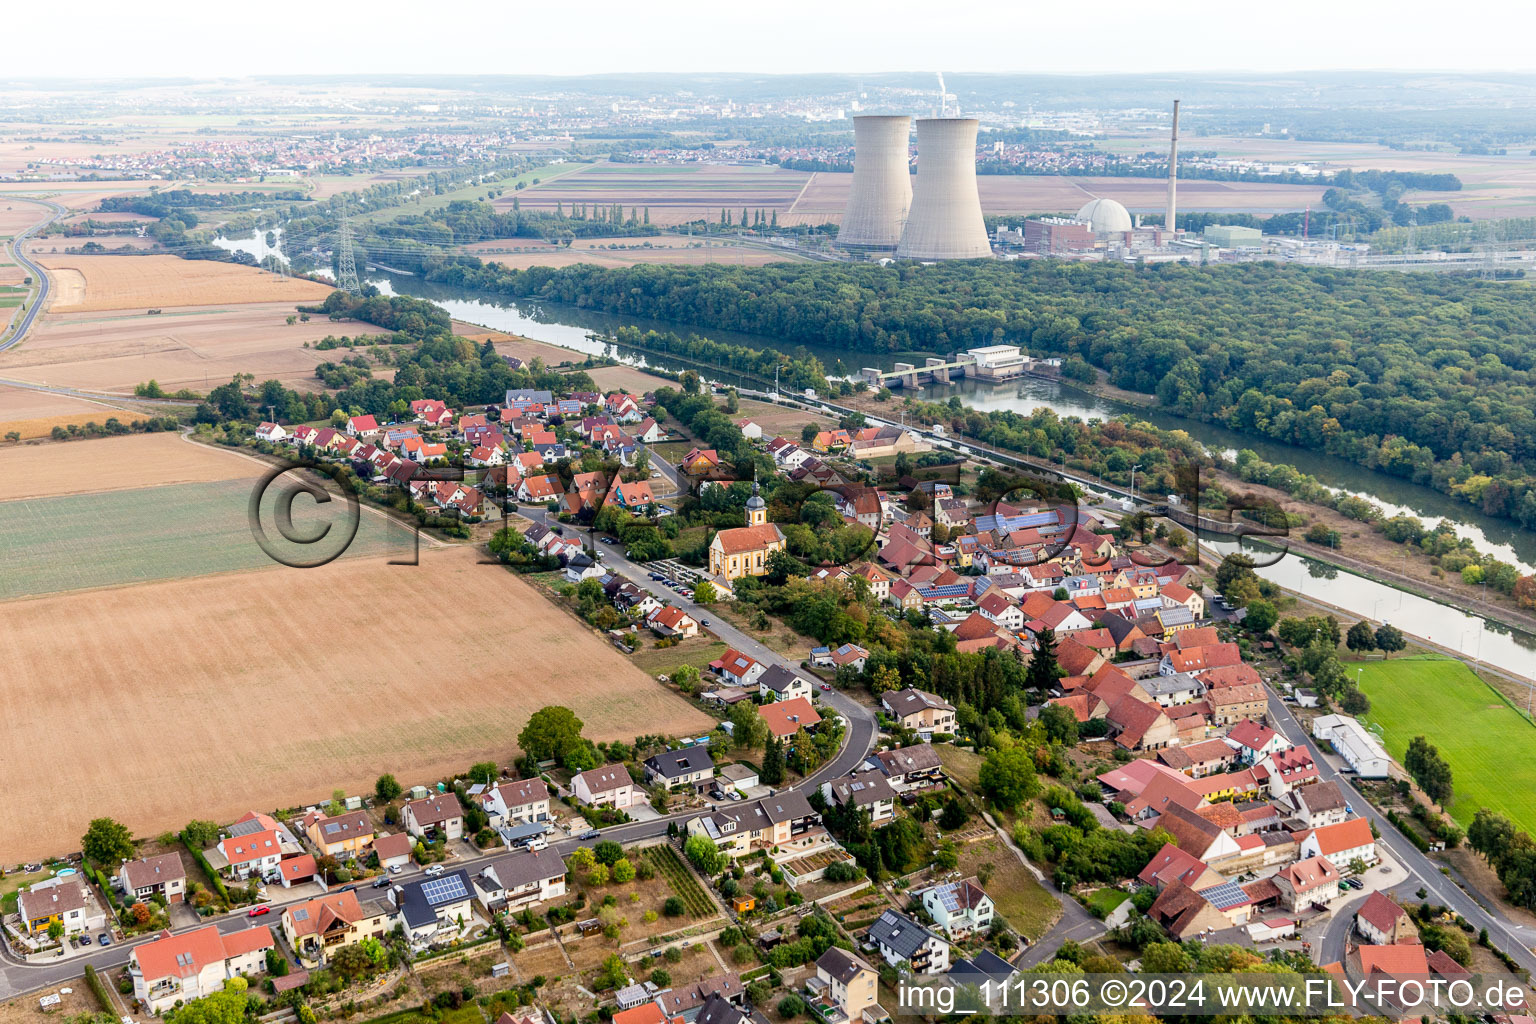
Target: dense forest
point(1426, 377)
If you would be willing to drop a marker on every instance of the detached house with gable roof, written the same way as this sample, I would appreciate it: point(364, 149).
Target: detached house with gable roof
point(344, 836)
point(438, 814)
point(525, 801)
point(316, 926)
point(179, 968)
point(919, 710)
point(959, 908)
point(608, 786)
point(779, 683)
point(907, 945)
point(154, 876)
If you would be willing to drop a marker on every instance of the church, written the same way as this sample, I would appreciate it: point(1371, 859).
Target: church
point(744, 551)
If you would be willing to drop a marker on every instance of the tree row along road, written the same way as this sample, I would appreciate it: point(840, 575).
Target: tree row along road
point(17, 978)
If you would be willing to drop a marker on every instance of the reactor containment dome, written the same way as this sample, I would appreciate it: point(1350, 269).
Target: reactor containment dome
point(945, 222)
point(882, 183)
point(1105, 216)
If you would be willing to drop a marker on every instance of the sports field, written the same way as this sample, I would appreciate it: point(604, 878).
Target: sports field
point(205, 698)
point(55, 544)
point(1490, 746)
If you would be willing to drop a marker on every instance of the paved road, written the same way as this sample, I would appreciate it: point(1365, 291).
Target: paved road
point(1423, 871)
point(43, 284)
point(17, 978)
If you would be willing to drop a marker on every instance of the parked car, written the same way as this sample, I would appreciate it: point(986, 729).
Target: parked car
point(826, 686)
point(396, 869)
point(104, 939)
point(259, 911)
point(381, 882)
point(704, 623)
point(435, 869)
point(590, 833)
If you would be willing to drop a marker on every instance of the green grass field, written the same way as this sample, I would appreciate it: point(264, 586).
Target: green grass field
point(49, 545)
point(1491, 747)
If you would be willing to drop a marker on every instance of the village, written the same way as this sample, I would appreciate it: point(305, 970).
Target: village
point(1085, 753)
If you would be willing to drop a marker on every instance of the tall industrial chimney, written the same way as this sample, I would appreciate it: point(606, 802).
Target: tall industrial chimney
point(1171, 220)
point(945, 222)
point(882, 183)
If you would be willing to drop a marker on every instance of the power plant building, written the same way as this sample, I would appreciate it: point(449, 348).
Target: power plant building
point(945, 221)
point(1105, 217)
point(882, 183)
point(1057, 234)
point(1230, 236)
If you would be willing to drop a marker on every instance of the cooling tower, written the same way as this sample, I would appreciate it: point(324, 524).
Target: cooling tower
point(882, 183)
point(945, 222)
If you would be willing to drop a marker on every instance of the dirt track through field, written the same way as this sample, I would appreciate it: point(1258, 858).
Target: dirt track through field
point(206, 698)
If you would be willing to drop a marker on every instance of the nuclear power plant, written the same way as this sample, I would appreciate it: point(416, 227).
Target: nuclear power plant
point(940, 219)
point(945, 222)
point(882, 183)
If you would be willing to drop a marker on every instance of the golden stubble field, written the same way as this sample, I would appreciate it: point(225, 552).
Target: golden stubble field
point(35, 413)
point(86, 283)
point(209, 697)
point(114, 464)
point(194, 347)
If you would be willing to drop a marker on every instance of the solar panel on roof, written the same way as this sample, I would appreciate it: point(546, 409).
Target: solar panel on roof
point(949, 896)
point(1227, 894)
point(444, 890)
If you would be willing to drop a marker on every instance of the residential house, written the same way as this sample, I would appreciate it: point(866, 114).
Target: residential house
point(1255, 741)
point(252, 846)
point(851, 655)
point(699, 461)
point(669, 620)
point(995, 606)
point(690, 766)
point(1197, 835)
point(635, 496)
point(782, 822)
point(435, 908)
point(909, 769)
point(175, 969)
point(270, 432)
point(608, 786)
point(785, 718)
point(65, 900)
point(1321, 804)
point(959, 908)
point(779, 683)
point(336, 919)
point(1179, 688)
point(738, 669)
point(440, 814)
point(919, 711)
point(867, 790)
point(1231, 704)
point(846, 981)
point(516, 880)
point(147, 877)
point(907, 945)
point(1383, 922)
point(362, 426)
point(524, 801)
point(1208, 757)
point(1342, 843)
point(1307, 882)
point(1179, 594)
point(1138, 725)
point(344, 836)
point(1171, 864)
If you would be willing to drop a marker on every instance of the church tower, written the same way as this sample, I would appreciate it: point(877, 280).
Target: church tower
point(757, 508)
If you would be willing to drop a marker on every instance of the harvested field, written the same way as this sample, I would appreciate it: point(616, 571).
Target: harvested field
point(259, 723)
point(16, 217)
point(197, 348)
point(675, 193)
point(81, 541)
point(630, 378)
point(827, 194)
point(516, 345)
point(35, 413)
point(123, 282)
point(780, 419)
point(112, 464)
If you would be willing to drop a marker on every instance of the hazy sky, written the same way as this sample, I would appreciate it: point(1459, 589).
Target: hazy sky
point(219, 37)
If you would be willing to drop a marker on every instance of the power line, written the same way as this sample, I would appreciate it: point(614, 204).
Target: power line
point(346, 267)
